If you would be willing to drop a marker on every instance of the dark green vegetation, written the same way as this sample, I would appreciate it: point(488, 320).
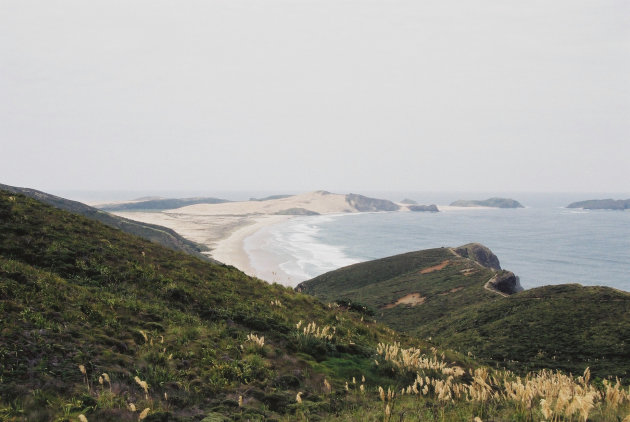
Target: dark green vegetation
point(270, 197)
point(602, 204)
point(491, 202)
point(424, 208)
point(152, 232)
point(297, 211)
point(160, 204)
point(435, 294)
point(567, 327)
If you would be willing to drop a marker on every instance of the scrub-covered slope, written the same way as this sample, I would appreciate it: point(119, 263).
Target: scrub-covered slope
point(568, 327)
point(411, 290)
point(440, 294)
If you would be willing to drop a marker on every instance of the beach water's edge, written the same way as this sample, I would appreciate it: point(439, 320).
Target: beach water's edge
point(254, 260)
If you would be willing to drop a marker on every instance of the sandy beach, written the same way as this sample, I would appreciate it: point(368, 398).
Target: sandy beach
point(223, 235)
point(231, 250)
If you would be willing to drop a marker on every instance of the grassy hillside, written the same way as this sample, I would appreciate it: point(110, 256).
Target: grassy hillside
point(409, 290)
point(99, 323)
point(153, 232)
point(568, 327)
point(433, 294)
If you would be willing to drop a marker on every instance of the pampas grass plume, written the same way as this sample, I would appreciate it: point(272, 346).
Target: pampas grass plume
point(144, 414)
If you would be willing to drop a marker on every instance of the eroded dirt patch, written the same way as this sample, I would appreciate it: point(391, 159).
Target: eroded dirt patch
point(468, 271)
point(453, 290)
point(435, 267)
point(412, 299)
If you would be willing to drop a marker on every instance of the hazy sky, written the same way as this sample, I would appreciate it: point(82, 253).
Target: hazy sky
point(343, 95)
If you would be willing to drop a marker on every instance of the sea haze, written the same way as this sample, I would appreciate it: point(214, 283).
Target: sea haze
point(541, 244)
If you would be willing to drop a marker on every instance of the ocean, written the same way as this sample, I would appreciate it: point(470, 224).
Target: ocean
point(543, 243)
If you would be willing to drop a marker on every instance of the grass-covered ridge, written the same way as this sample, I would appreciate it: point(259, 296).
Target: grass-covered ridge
point(99, 323)
point(434, 294)
point(409, 290)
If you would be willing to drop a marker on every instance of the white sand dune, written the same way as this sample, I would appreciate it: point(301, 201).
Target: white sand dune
point(320, 202)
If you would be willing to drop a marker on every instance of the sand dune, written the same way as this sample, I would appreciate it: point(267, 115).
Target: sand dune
point(320, 202)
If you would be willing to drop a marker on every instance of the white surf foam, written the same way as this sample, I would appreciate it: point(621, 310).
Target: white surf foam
point(306, 255)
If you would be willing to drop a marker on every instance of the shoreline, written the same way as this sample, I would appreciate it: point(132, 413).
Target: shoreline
point(231, 250)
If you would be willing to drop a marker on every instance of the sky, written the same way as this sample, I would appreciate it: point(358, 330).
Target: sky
point(299, 95)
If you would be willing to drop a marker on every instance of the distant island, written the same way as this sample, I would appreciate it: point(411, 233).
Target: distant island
point(602, 204)
point(408, 201)
point(491, 202)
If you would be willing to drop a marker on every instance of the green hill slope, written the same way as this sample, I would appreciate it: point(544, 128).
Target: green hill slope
point(435, 294)
point(152, 232)
point(410, 290)
point(568, 327)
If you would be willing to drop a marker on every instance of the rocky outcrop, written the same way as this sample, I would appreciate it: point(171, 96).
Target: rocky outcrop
point(602, 204)
point(424, 208)
point(480, 254)
point(364, 204)
point(491, 202)
point(505, 282)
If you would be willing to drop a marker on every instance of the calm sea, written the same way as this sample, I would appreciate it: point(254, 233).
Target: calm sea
point(543, 243)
